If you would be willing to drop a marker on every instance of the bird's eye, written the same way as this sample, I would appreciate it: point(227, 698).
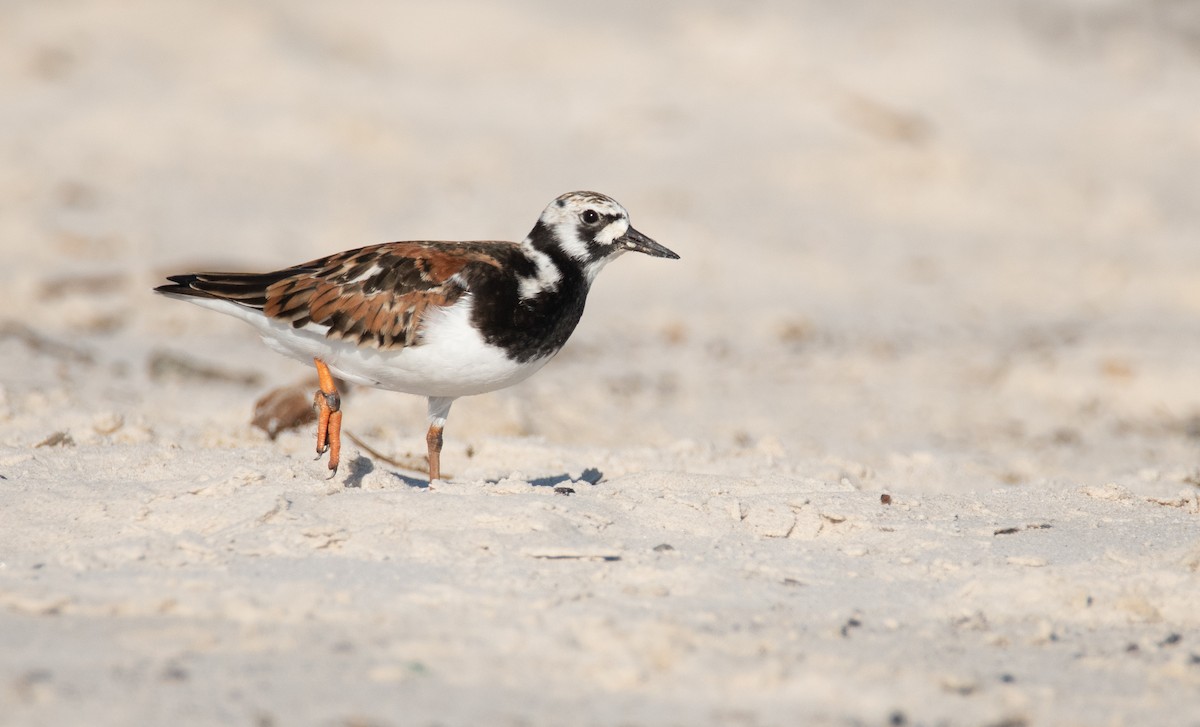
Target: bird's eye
point(590, 217)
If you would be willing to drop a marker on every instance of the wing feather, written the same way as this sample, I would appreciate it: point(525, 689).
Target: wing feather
point(378, 296)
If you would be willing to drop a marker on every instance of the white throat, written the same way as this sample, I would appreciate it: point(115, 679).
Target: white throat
point(593, 268)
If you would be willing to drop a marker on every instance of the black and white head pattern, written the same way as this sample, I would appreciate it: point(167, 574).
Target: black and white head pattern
point(587, 228)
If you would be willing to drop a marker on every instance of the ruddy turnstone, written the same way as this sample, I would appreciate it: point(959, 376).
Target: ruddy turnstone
point(439, 319)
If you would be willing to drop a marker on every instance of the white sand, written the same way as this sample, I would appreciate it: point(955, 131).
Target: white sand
point(944, 250)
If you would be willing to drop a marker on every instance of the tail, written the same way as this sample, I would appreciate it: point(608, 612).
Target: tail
point(245, 289)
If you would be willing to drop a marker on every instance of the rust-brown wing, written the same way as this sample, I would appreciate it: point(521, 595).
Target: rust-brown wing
point(379, 295)
point(374, 296)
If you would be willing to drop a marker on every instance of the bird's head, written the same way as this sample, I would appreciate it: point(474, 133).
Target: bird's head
point(592, 229)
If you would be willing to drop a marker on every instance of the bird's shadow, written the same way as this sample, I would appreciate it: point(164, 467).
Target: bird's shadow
point(590, 476)
point(417, 483)
point(361, 466)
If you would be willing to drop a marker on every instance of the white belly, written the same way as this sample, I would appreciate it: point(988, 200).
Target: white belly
point(452, 360)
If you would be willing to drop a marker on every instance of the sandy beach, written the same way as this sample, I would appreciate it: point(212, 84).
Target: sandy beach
point(910, 434)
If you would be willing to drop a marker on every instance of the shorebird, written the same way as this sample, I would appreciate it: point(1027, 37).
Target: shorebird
point(438, 319)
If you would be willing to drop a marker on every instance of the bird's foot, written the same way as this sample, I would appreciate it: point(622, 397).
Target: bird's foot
point(328, 404)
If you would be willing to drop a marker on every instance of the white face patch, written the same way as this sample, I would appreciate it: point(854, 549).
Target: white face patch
point(566, 218)
point(613, 230)
point(568, 240)
point(546, 277)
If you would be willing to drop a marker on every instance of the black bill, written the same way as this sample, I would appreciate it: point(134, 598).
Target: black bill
point(634, 240)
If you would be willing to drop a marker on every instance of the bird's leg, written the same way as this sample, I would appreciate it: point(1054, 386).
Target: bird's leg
point(433, 440)
point(328, 404)
point(439, 409)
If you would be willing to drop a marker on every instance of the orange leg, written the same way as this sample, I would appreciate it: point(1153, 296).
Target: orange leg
point(433, 439)
point(328, 403)
point(439, 409)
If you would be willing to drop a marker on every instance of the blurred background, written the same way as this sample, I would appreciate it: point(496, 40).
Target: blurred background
point(951, 241)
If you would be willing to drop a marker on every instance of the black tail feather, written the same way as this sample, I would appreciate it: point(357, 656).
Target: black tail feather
point(249, 289)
